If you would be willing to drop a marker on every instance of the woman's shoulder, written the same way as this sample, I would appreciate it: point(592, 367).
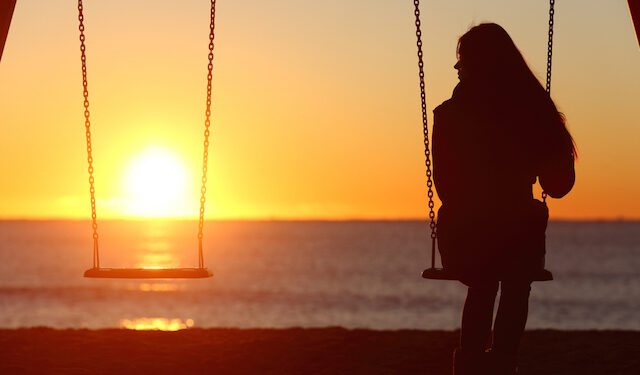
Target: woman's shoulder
point(445, 112)
point(450, 105)
point(450, 113)
point(445, 106)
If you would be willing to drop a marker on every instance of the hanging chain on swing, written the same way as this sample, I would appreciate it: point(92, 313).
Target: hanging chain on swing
point(207, 124)
point(550, 44)
point(549, 54)
point(425, 131)
point(87, 125)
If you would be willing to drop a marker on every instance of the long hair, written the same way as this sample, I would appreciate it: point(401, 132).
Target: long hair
point(492, 61)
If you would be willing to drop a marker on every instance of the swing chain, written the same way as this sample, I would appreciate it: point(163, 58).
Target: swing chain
point(87, 125)
point(425, 129)
point(549, 54)
point(207, 124)
point(550, 44)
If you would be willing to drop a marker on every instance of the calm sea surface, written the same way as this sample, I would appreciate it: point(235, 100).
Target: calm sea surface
point(283, 274)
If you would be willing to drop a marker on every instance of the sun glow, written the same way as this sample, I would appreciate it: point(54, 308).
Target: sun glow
point(156, 184)
point(156, 324)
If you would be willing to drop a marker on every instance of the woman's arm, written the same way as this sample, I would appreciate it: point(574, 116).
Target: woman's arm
point(445, 166)
point(558, 175)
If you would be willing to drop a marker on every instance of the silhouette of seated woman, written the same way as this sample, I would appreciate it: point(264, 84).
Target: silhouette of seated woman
point(498, 133)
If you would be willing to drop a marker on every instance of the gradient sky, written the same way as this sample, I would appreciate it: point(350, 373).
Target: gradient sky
point(316, 106)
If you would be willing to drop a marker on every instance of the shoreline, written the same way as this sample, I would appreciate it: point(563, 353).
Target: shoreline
point(330, 350)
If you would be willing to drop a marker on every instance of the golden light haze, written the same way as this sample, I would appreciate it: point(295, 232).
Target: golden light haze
point(156, 324)
point(316, 106)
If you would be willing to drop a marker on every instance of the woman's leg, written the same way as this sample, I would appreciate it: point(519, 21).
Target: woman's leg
point(511, 317)
point(477, 316)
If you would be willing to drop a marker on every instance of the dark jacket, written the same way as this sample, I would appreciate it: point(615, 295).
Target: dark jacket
point(486, 158)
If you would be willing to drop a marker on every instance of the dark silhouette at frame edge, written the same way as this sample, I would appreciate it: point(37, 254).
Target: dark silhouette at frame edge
point(6, 13)
point(634, 9)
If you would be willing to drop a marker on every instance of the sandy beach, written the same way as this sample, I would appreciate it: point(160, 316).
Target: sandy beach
point(298, 351)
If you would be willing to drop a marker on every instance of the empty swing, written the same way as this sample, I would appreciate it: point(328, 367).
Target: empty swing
point(434, 272)
point(146, 273)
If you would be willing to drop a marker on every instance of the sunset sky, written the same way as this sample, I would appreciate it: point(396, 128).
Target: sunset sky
point(316, 105)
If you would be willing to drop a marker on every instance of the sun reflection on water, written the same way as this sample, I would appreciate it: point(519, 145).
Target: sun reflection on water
point(156, 324)
point(156, 246)
point(157, 260)
point(147, 287)
point(151, 244)
point(156, 287)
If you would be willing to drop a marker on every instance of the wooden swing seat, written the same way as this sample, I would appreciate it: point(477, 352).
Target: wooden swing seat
point(442, 274)
point(148, 273)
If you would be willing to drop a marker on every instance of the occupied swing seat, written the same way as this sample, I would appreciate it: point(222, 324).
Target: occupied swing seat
point(433, 273)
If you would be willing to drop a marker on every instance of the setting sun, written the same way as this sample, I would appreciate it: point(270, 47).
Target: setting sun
point(156, 183)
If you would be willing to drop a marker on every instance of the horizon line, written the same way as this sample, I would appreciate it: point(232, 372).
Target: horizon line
point(285, 219)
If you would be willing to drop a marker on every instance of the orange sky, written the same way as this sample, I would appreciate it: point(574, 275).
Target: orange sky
point(316, 106)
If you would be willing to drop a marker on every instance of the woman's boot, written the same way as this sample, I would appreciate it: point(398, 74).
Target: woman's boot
point(470, 363)
point(501, 363)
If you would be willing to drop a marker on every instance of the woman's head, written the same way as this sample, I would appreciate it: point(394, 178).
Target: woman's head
point(489, 61)
point(487, 53)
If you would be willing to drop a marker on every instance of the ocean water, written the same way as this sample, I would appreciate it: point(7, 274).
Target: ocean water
point(284, 274)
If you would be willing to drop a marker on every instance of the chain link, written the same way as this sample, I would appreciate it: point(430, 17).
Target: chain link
point(207, 124)
point(425, 131)
point(87, 125)
point(549, 54)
